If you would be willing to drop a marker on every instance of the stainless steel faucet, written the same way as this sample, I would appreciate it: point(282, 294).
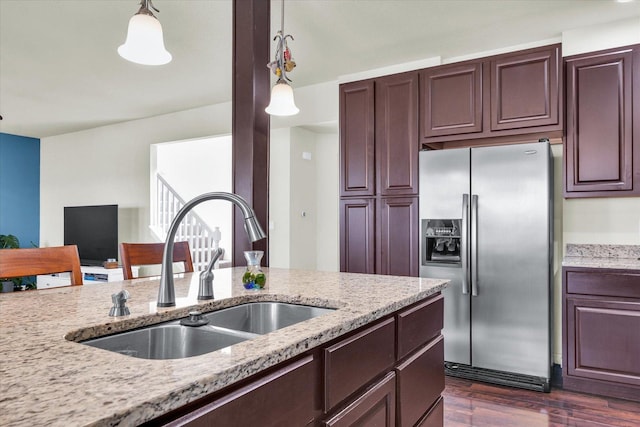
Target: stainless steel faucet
point(166, 293)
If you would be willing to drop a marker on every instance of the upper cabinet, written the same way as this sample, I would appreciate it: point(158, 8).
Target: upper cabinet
point(357, 143)
point(396, 134)
point(451, 100)
point(525, 90)
point(379, 136)
point(602, 150)
point(512, 94)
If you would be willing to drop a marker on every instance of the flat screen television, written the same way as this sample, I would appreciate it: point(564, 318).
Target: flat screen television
point(94, 229)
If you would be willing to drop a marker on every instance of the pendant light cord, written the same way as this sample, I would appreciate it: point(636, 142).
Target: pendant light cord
point(282, 18)
point(281, 48)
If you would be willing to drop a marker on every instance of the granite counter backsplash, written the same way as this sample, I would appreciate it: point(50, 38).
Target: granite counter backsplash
point(602, 256)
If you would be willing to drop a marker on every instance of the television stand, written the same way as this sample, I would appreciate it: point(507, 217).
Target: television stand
point(90, 274)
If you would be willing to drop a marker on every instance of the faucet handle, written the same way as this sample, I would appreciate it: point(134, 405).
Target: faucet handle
point(120, 304)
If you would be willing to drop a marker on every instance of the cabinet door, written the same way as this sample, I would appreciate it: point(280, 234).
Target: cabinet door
point(435, 417)
point(398, 236)
point(357, 168)
point(357, 235)
point(376, 407)
point(420, 382)
point(604, 339)
point(397, 134)
point(599, 148)
point(525, 89)
point(451, 100)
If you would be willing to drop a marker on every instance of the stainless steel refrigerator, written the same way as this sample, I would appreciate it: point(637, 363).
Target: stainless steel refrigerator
point(486, 224)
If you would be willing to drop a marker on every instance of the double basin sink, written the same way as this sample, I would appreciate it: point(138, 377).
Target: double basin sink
point(215, 330)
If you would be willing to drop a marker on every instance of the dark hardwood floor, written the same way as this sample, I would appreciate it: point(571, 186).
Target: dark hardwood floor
point(468, 403)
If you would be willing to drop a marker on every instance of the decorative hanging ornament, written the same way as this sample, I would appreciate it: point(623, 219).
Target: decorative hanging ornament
point(283, 59)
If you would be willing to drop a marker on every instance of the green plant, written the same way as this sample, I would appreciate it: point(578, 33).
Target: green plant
point(9, 241)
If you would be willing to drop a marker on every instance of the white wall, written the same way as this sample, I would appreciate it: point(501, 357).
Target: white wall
point(303, 209)
point(303, 199)
point(279, 198)
point(600, 37)
point(327, 157)
point(110, 164)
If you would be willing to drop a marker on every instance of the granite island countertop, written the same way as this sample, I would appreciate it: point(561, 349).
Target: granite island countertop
point(626, 257)
point(48, 379)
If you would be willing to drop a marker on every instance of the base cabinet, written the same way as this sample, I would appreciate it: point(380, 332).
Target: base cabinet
point(374, 376)
point(601, 331)
point(419, 381)
point(285, 397)
point(376, 407)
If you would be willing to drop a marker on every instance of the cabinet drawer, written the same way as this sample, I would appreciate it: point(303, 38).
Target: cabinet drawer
point(355, 361)
point(376, 407)
point(420, 382)
point(615, 284)
point(419, 325)
point(284, 397)
point(435, 417)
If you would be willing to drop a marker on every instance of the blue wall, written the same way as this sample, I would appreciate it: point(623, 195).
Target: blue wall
point(20, 188)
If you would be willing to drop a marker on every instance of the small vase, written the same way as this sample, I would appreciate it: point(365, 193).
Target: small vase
point(254, 277)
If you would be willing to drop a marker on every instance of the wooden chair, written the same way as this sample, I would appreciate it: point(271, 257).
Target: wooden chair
point(151, 253)
point(35, 261)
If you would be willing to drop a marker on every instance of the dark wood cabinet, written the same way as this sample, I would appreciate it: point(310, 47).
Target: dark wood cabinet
point(419, 382)
point(402, 390)
point(602, 150)
point(354, 380)
point(376, 407)
point(435, 416)
point(512, 94)
point(396, 134)
point(379, 160)
point(601, 338)
point(419, 325)
point(525, 89)
point(397, 231)
point(451, 99)
point(288, 396)
point(357, 143)
point(350, 364)
point(357, 235)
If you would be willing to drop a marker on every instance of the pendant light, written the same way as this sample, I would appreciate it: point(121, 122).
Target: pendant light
point(144, 44)
point(282, 102)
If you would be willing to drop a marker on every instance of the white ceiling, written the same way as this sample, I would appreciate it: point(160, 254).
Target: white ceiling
point(59, 70)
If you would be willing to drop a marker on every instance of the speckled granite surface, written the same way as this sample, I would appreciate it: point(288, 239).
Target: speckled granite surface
point(602, 256)
point(46, 379)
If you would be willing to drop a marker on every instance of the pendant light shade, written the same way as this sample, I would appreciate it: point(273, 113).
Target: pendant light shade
point(282, 102)
point(145, 44)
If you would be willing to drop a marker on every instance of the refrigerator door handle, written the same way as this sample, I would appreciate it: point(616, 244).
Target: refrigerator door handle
point(464, 244)
point(474, 245)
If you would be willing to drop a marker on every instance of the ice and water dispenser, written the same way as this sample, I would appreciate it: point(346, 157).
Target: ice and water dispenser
point(440, 241)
